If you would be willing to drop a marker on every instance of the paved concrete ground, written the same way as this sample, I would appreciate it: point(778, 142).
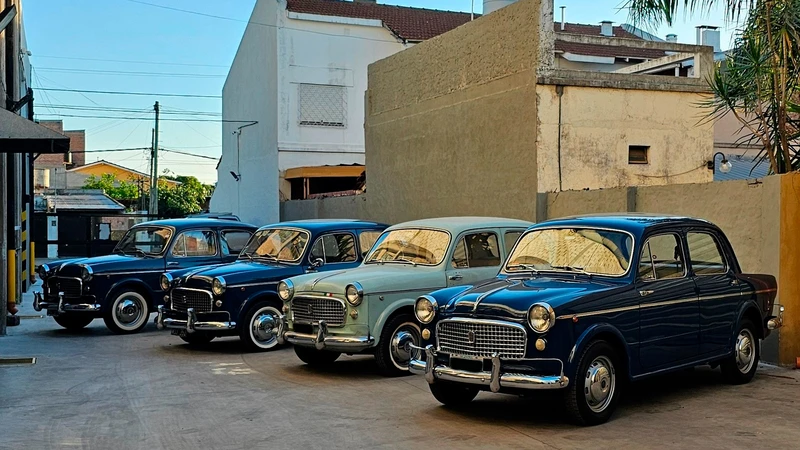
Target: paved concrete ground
point(95, 390)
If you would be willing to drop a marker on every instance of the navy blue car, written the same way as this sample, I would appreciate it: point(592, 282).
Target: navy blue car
point(123, 288)
point(241, 299)
point(584, 304)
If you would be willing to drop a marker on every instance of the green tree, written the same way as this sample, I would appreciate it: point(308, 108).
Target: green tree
point(116, 189)
point(186, 198)
point(759, 81)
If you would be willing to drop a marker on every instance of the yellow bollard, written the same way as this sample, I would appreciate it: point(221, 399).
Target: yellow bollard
point(32, 267)
point(12, 282)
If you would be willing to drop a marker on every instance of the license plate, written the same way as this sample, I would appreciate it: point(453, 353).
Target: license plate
point(469, 365)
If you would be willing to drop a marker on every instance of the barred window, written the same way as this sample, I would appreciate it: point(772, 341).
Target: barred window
point(322, 105)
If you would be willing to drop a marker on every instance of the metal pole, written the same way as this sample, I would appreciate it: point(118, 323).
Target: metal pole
point(3, 247)
point(154, 180)
point(472, 11)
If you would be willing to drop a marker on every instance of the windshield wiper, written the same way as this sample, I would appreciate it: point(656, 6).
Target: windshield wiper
point(572, 269)
point(120, 251)
point(400, 260)
point(529, 267)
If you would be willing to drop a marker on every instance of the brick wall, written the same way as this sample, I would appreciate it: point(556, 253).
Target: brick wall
point(77, 143)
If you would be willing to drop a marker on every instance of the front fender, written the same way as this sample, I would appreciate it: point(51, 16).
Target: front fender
point(130, 284)
point(387, 313)
point(253, 299)
point(588, 336)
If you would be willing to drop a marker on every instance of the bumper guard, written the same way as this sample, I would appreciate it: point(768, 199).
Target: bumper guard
point(191, 324)
point(322, 340)
point(39, 304)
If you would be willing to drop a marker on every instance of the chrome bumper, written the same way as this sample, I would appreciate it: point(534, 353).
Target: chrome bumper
point(191, 324)
point(777, 321)
point(323, 341)
point(495, 380)
point(39, 304)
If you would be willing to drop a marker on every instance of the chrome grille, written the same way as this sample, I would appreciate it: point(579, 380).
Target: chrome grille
point(309, 310)
point(481, 339)
point(71, 287)
point(184, 298)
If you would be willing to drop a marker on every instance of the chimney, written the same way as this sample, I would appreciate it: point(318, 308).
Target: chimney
point(709, 35)
point(672, 37)
point(563, 17)
point(607, 28)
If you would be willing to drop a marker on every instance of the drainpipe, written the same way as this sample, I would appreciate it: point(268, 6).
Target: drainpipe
point(560, 92)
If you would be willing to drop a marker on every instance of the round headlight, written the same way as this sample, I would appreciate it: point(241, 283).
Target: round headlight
point(425, 309)
point(166, 281)
point(285, 290)
point(541, 317)
point(44, 269)
point(86, 273)
point(354, 293)
point(218, 286)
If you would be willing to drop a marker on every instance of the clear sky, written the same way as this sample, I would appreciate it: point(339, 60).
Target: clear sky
point(127, 45)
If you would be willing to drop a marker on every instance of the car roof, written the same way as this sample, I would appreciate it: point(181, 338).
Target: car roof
point(632, 222)
point(323, 225)
point(462, 223)
point(180, 224)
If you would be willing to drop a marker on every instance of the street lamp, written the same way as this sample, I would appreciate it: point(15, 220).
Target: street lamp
point(724, 165)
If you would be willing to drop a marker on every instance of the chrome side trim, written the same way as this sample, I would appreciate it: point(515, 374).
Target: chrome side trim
point(648, 305)
point(490, 292)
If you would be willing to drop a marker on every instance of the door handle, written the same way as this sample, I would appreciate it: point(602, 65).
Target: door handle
point(173, 263)
point(645, 293)
point(456, 277)
point(735, 282)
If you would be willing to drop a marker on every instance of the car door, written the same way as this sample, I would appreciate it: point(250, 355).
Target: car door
point(476, 256)
point(669, 317)
point(232, 242)
point(191, 248)
point(719, 290)
point(337, 250)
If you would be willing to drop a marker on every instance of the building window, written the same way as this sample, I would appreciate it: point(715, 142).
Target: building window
point(637, 154)
point(321, 105)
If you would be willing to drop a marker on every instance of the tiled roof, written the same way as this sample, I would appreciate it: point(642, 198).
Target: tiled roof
point(413, 24)
point(602, 50)
point(88, 200)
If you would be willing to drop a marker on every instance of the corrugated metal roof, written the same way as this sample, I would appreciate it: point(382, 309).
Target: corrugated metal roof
point(88, 200)
point(743, 167)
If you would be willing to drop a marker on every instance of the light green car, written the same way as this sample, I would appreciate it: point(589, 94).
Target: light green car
point(370, 309)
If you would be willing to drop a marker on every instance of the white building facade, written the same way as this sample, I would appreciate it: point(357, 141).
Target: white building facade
point(294, 96)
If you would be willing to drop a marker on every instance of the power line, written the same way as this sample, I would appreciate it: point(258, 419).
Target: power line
point(171, 119)
point(126, 93)
point(188, 154)
point(112, 150)
point(125, 61)
point(126, 110)
point(129, 73)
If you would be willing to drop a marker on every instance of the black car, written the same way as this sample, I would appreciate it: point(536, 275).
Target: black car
point(241, 299)
point(123, 288)
point(585, 304)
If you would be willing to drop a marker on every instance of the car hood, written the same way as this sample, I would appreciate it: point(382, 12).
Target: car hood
point(239, 272)
point(511, 298)
point(374, 279)
point(108, 263)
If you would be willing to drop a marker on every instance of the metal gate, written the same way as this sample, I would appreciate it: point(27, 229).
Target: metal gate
point(82, 235)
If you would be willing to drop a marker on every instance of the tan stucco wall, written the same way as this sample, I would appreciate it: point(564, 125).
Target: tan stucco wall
point(598, 125)
point(451, 122)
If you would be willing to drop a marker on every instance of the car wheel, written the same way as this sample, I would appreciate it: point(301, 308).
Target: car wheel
point(73, 321)
point(314, 357)
point(741, 367)
point(394, 353)
point(261, 327)
point(196, 338)
point(127, 314)
point(592, 396)
point(452, 394)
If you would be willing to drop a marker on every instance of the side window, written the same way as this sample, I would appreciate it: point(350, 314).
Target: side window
point(195, 243)
point(335, 248)
point(705, 254)
point(476, 250)
point(511, 238)
point(366, 239)
point(233, 241)
point(662, 258)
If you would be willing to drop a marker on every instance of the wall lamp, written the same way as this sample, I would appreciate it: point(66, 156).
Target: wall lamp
point(724, 165)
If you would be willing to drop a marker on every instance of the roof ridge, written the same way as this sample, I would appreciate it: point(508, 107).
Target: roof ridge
point(384, 5)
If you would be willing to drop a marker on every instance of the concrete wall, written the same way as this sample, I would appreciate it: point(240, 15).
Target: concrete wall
point(452, 121)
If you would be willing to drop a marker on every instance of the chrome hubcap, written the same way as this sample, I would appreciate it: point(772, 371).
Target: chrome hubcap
point(598, 387)
point(401, 345)
point(129, 311)
point(265, 327)
point(745, 351)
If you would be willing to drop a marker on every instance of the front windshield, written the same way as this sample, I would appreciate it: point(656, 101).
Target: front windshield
point(589, 250)
point(410, 246)
point(282, 244)
point(144, 241)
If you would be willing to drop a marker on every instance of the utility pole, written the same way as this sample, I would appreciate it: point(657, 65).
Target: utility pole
point(154, 173)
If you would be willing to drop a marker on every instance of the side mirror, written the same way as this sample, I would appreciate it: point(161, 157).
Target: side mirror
point(317, 263)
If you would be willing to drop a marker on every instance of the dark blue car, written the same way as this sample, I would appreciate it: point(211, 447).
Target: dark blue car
point(241, 299)
point(584, 304)
point(123, 288)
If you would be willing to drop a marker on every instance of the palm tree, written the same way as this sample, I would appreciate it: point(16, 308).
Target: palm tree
point(759, 81)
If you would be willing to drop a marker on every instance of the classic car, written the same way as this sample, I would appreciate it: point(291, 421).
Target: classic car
point(240, 299)
point(123, 287)
point(584, 304)
point(369, 309)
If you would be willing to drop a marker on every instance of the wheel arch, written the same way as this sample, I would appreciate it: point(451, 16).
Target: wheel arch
point(750, 311)
point(130, 284)
point(404, 306)
point(257, 297)
point(605, 332)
